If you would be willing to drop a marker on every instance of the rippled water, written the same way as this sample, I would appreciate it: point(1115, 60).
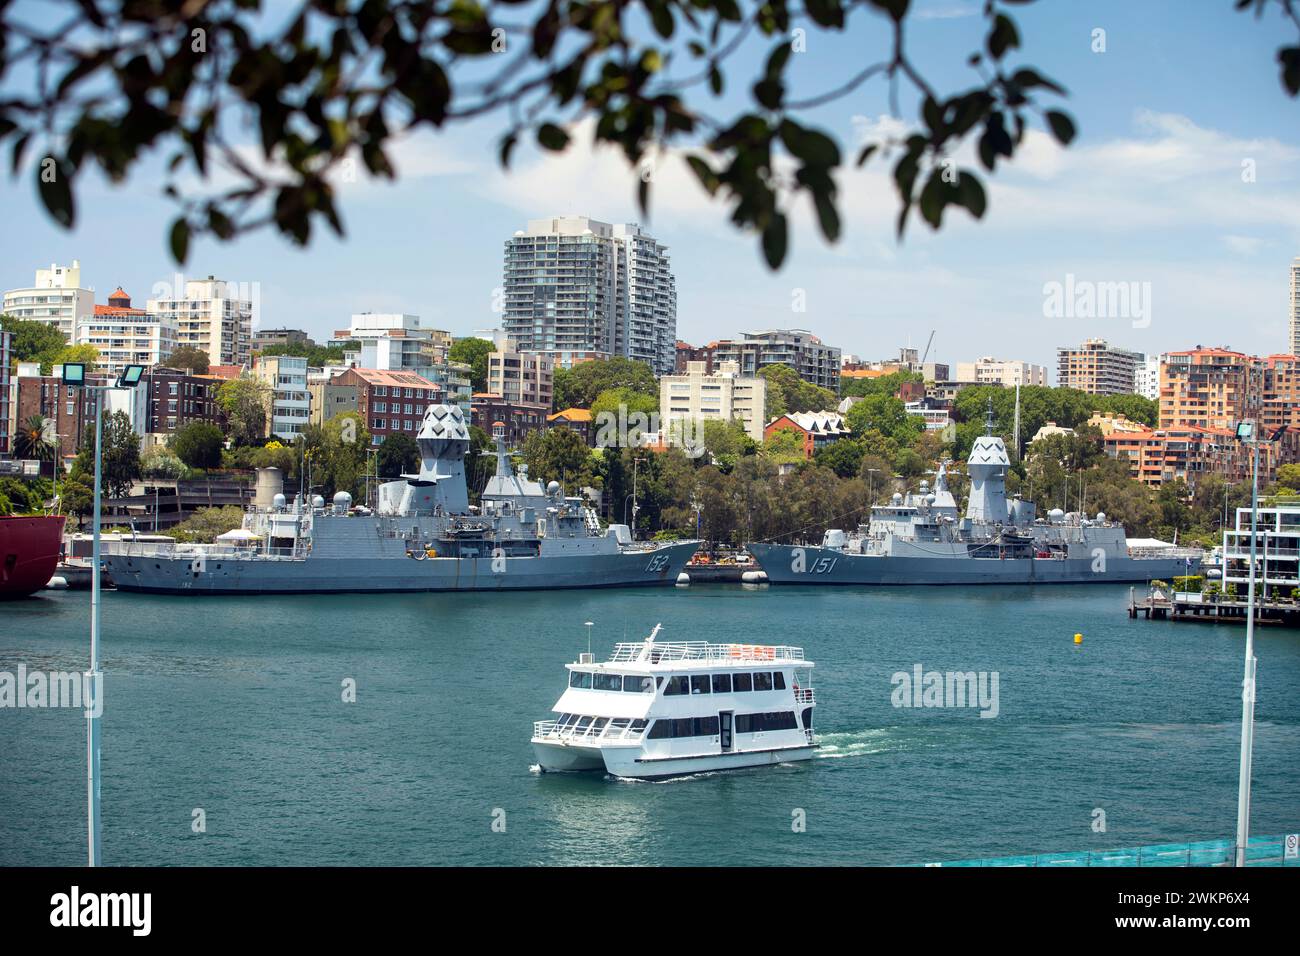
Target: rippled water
point(234, 706)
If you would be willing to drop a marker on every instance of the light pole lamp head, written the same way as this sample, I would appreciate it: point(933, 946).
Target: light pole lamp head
point(130, 376)
point(1246, 431)
point(74, 373)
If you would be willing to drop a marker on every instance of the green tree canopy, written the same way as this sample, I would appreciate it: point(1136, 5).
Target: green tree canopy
point(188, 357)
point(474, 352)
point(199, 445)
point(559, 454)
point(32, 341)
point(398, 455)
point(787, 393)
point(245, 402)
point(317, 356)
point(86, 355)
point(119, 455)
point(580, 386)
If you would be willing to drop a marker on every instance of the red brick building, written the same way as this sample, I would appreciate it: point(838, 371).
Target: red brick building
point(390, 403)
point(177, 398)
point(519, 418)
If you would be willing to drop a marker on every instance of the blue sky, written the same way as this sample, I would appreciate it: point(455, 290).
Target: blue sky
point(1151, 192)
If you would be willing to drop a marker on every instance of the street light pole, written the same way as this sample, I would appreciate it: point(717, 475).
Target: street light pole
point(1248, 680)
point(94, 676)
point(74, 373)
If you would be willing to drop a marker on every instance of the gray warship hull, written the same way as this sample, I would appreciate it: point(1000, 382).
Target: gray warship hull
point(785, 564)
point(397, 572)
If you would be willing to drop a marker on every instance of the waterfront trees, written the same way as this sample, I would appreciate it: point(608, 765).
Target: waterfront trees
point(580, 386)
point(245, 402)
point(397, 455)
point(199, 445)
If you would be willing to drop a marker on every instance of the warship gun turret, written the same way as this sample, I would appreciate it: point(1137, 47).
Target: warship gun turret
point(422, 536)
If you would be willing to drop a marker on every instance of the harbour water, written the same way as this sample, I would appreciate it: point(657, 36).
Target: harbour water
point(234, 706)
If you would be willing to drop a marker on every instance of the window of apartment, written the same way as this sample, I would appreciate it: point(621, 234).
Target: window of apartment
point(381, 406)
point(378, 423)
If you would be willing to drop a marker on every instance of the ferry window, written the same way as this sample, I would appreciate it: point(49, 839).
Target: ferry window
point(778, 680)
point(634, 684)
point(683, 727)
point(638, 726)
point(677, 685)
point(706, 726)
point(722, 683)
point(662, 730)
point(742, 682)
point(762, 681)
point(607, 681)
point(598, 726)
point(583, 722)
point(743, 724)
point(699, 683)
point(580, 679)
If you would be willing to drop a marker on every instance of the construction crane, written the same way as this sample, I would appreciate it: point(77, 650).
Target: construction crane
point(926, 353)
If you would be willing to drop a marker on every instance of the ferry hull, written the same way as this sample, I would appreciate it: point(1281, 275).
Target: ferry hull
point(565, 758)
point(29, 553)
point(785, 564)
point(624, 762)
point(337, 573)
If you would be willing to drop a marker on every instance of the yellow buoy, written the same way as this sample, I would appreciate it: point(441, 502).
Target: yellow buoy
point(1078, 638)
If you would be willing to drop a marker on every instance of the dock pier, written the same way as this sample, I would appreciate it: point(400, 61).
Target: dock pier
point(1161, 605)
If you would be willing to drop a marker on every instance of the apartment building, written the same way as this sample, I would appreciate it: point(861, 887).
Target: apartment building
point(521, 377)
point(56, 298)
point(289, 402)
point(577, 289)
point(391, 403)
point(1210, 388)
point(1005, 372)
point(812, 359)
point(722, 395)
point(125, 335)
point(177, 398)
point(210, 315)
point(1098, 368)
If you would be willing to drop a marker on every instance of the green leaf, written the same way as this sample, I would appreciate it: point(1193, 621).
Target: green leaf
point(550, 136)
point(1062, 126)
point(56, 191)
point(1289, 57)
point(180, 240)
point(827, 215)
point(704, 173)
point(866, 153)
point(774, 241)
point(507, 147)
point(1003, 36)
point(970, 194)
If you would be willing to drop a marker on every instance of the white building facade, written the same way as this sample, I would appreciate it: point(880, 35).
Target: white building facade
point(125, 335)
point(1146, 377)
point(55, 298)
point(1005, 372)
point(286, 376)
point(724, 395)
point(212, 316)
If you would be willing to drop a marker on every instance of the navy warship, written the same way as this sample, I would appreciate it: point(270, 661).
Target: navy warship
point(922, 538)
point(423, 535)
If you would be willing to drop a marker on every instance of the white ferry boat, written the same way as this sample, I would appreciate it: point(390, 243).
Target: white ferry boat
point(660, 709)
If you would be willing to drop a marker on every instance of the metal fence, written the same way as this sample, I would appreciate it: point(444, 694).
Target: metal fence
point(1261, 851)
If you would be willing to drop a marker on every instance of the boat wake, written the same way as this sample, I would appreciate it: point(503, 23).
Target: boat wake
point(857, 743)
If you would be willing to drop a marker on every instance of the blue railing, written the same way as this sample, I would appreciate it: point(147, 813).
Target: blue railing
point(1260, 851)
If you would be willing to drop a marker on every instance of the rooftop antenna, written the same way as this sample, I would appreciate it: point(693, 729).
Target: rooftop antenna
point(988, 421)
point(588, 625)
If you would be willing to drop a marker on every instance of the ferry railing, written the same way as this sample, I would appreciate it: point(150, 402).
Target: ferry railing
point(552, 729)
point(661, 651)
point(804, 695)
